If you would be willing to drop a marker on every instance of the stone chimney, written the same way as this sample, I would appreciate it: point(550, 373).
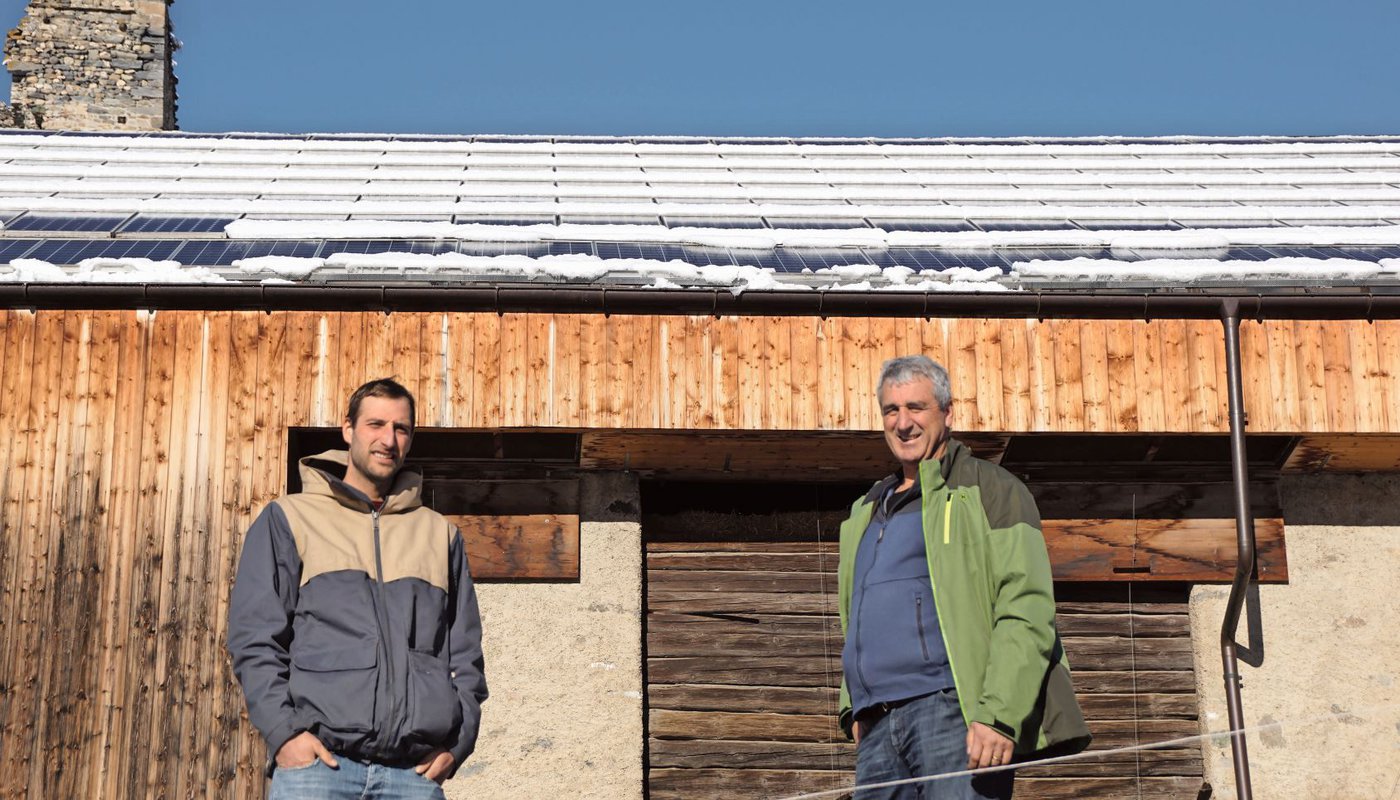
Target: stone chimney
point(92, 65)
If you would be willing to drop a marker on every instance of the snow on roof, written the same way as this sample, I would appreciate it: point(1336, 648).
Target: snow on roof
point(1174, 211)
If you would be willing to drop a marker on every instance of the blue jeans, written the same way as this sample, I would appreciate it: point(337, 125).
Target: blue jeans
point(352, 780)
point(924, 736)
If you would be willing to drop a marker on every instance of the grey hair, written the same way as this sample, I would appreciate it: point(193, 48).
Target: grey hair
point(904, 369)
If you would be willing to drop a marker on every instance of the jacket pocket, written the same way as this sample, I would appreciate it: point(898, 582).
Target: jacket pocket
point(919, 621)
point(336, 687)
point(435, 711)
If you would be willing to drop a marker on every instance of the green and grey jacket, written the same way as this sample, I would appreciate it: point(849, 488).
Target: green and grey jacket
point(360, 626)
point(993, 593)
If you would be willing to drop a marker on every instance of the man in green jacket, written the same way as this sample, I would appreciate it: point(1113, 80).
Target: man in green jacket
point(951, 660)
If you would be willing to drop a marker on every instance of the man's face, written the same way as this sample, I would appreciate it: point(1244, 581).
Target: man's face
point(914, 424)
point(380, 438)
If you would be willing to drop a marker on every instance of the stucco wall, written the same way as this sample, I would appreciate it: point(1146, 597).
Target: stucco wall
point(563, 662)
point(1327, 645)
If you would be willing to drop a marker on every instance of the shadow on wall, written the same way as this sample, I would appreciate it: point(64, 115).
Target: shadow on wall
point(1371, 499)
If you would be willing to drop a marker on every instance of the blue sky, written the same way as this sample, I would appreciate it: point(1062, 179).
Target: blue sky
point(789, 67)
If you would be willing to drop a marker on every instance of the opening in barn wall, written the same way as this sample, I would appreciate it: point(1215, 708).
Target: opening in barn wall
point(743, 640)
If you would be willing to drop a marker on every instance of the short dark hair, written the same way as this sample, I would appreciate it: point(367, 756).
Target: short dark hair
point(382, 387)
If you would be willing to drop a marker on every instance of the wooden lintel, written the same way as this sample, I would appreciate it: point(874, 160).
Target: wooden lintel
point(521, 547)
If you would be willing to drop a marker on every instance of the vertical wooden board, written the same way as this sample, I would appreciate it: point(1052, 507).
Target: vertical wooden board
point(884, 345)
point(779, 396)
point(17, 381)
point(325, 405)
point(1388, 380)
point(935, 338)
point(962, 372)
point(349, 349)
point(1069, 375)
point(172, 523)
point(1368, 379)
point(243, 430)
point(647, 406)
point(1256, 382)
point(514, 371)
point(990, 376)
point(621, 389)
point(127, 411)
point(461, 360)
point(592, 344)
point(1337, 372)
point(64, 584)
point(214, 539)
point(432, 371)
point(1040, 358)
point(699, 374)
point(831, 386)
point(1148, 374)
point(407, 337)
point(486, 372)
point(1122, 378)
point(24, 656)
point(1205, 345)
point(298, 380)
point(1283, 375)
point(675, 394)
point(805, 373)
point(909, 336)
point(1179, 403)
point(1312, 376)
point(724, 364)
point(753, 378)
point(568, 387)
point(1016, 376)
point(379, 346)
point(1093, 359)
point(858, 382)
point(540, 380)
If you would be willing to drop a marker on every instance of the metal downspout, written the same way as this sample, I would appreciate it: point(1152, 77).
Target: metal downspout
point(1244, 564)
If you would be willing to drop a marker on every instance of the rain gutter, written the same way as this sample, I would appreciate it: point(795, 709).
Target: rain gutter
point(1082, 304)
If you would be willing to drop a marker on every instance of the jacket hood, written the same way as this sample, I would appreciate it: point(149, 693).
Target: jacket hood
point(324, 474)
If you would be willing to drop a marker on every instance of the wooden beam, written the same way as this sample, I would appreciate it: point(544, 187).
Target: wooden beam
point(521, 547)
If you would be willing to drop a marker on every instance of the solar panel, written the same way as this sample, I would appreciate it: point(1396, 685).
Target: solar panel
point(991, 225)
point(574, 248)
point(922, 225)
point(817, 223)
point(710, 256)
point(66, 223)
point(519, 219)
point(1110, 225)
point(11, 249)
point(714, 222)
point(429, 246)
point(609, 219)
point(159, 223)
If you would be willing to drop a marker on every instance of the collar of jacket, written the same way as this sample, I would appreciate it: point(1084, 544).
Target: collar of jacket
point(933, 472)
point(324, 474)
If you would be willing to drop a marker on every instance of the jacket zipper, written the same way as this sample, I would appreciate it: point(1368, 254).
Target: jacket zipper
point(860, 651)
point(942, 629)
point(382, 617)
point(919, 619)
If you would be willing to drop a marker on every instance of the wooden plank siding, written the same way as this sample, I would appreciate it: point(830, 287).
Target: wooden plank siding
point(743, 666)
point(140, 444)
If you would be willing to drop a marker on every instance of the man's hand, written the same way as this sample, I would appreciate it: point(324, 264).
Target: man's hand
point(435, 766)
point(855, 731)
point(986, 747)
point(302, 750)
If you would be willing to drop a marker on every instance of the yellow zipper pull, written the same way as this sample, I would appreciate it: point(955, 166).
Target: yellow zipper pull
point(947, 517)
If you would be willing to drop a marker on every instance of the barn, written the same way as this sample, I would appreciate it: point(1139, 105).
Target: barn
point(645, 373)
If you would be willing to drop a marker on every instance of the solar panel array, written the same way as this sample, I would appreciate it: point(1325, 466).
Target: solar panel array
point(67, 197)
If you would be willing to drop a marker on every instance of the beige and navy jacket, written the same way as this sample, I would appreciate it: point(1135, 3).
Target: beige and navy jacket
point(358, 625)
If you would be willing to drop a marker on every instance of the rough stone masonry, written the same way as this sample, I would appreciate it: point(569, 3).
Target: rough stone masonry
point(92, 65)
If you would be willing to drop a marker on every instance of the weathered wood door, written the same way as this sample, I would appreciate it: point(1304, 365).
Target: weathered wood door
point(743, 651)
